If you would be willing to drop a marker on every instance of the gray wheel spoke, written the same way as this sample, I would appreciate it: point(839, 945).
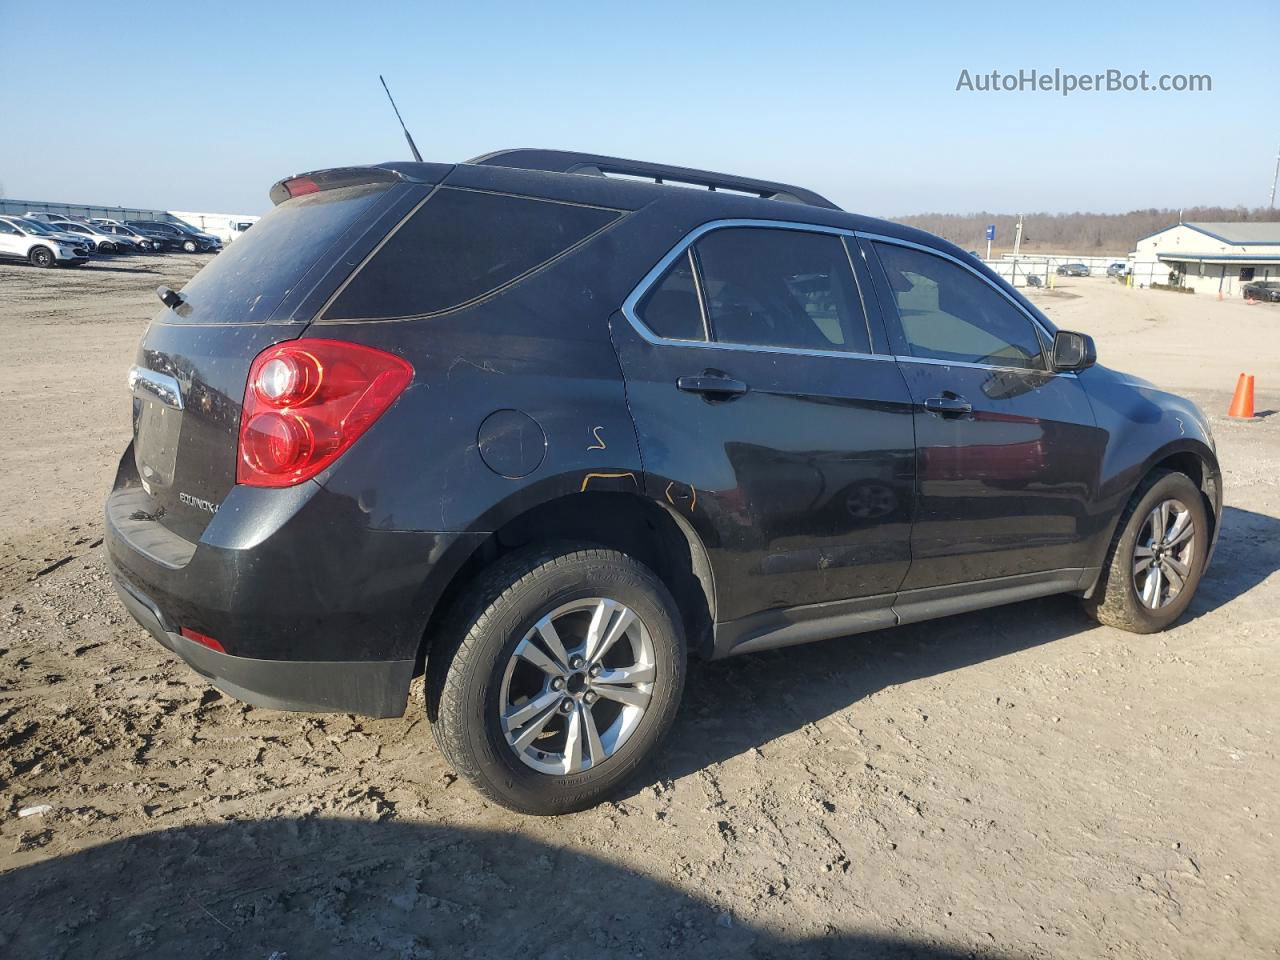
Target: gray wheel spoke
point(521, 715)
point(1142, 550)
point(532, 653)
point(1172, 576)
point(534, 729)
point(1142, 564)
point(1157, 523)
point(1178, 567)
point(573, 742)
point(1151, 589)
point(1182, 535)
point(594, 747)
point(547, 631)
point(628, 695)
point(637, 674)
point(615, 623)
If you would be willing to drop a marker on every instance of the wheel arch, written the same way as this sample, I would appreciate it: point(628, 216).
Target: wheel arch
point(1187, 456)
point(629, 522)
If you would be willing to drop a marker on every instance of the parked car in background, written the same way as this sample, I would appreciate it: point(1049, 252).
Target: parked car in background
point(23, 240)
point(1073, 270)
point(1118, 269)
point(238, 227)
point(149, 243)
point(53, 230)
point(162, 242)
point(183, 237)
point(1268, 290)
point(547, 434)
point(46, 217)
point(103, 242)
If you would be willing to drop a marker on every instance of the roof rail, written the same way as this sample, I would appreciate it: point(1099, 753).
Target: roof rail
point(565, 161)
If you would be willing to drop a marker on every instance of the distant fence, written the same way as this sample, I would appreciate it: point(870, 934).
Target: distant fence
point(1045, 265)
point(19, 207)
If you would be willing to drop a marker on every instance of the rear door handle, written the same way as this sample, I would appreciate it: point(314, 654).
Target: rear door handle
point(712, 385)
point(948, 405)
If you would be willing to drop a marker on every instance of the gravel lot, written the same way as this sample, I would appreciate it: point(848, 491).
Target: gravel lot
point(1016, 783)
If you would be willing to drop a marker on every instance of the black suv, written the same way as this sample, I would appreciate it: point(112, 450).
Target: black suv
point(543, 429)
point(179, 235)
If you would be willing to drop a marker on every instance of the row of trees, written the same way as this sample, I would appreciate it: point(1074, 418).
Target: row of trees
point(1083, 233)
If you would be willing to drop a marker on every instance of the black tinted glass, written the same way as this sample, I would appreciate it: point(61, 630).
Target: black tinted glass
point(671, 308)
point(781, 288)
point(947, 313)
point(459, 246)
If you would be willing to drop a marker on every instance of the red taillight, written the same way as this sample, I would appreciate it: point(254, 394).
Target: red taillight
point(306, 402)
point(203, 639)
point(301, 185)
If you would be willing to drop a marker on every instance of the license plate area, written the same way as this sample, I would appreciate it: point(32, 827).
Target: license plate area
point(157, 427)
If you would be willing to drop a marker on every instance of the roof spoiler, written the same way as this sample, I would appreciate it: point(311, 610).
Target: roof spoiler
point(315, 181)
point(565, 161)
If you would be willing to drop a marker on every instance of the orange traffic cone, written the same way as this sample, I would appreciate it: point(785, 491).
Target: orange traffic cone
point(1242, 403)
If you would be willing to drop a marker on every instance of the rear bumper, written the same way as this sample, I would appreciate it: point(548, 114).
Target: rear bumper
point(371, 688)
point(316, 608)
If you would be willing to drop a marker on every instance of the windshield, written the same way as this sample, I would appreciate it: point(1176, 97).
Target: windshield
point(36, 226)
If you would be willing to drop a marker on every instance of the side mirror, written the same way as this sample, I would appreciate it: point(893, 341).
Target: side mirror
point(1073, 351)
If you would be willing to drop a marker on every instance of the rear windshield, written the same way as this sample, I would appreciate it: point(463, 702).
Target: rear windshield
point(459, 246)
point(249, 279)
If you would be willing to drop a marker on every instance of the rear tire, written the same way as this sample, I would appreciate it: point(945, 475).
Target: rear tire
point(189, 246)
point(42, 257)
point(533, 735)
point(1142, 598)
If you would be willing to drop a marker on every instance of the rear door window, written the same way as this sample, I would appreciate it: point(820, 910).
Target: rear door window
point(781, 288)
point(459, 246)
point(671, 309)
point(947, 313)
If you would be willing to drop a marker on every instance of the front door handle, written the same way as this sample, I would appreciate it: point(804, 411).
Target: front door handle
point(948, 405)
point(712, 385)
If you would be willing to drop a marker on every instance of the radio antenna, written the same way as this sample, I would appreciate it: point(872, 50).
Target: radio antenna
point(413, 147)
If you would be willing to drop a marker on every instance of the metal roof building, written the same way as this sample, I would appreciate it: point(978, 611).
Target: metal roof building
point(1209, 257)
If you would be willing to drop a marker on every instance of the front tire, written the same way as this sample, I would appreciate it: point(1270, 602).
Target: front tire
point(1156, 558)
point(189, 246)
point(42, 257)
point(556, 677)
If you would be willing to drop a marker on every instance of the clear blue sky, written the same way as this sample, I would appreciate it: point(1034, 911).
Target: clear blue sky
point(202, 107)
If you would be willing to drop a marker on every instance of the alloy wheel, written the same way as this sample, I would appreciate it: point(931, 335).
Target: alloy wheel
point(1163, 554)
point(577, 686)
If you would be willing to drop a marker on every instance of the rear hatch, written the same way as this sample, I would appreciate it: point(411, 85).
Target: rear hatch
point(193, 363)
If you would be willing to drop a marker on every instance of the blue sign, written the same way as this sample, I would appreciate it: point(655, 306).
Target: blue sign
point(991, 232)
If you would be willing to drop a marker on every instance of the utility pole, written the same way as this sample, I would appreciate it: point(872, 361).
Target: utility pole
point(1017, 237)
point(1275, 176)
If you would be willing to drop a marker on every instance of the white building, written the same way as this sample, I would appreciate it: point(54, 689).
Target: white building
point(1210, 257)
point(226, 226)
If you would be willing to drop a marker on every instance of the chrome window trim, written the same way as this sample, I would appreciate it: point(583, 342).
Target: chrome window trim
point(1039, 327)
point(631, 303)
point(157, 386)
